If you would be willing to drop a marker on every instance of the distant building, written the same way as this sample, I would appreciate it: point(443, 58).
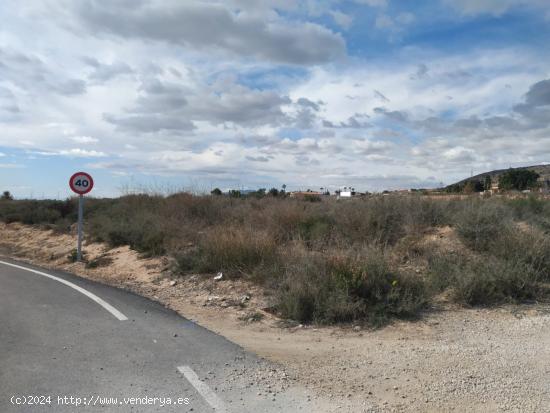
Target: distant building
point(346, 192)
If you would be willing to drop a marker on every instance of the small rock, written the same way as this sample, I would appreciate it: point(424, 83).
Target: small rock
point(173, 283)
point(218, 277)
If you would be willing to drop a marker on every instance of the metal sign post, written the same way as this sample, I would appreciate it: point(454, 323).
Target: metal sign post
point(80, 218)
point(80, 183)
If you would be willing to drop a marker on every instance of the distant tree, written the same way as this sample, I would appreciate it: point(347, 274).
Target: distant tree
point(455, 188)
point(273, 192)
point(518, 179)
point(235, 193)
point(216, 191)
point(473, 186)
point(488, 183)
point(7, 196)
point(259, 193)
point(284, 187)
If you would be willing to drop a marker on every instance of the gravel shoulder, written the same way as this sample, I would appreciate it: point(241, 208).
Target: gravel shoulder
point(450, 360)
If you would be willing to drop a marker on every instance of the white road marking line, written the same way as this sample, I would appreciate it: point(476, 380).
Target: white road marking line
point(203, 389)
point(88, 294)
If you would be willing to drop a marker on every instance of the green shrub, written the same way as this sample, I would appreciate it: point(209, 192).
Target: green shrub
point(73, 255)
point(529, 247)
point(532, 209)
point(312, 198)
point(232, 250)
point(143, 236)
point(483, 280)
point(525, 208)
point(315, 228)
point(344, 289)
point(379, 220)
point(479, 224)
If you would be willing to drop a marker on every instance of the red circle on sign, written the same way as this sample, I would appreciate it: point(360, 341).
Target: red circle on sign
point(81, 183)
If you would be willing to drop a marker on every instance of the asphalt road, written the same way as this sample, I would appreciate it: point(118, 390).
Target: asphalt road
point(57, 342)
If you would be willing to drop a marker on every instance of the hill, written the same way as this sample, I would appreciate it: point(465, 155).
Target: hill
point(542, 170)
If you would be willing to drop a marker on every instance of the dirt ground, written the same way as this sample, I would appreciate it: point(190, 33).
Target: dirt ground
point(451, 359)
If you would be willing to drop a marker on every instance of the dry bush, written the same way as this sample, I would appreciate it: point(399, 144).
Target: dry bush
point(133, 221)
point(480, 223)
point(328, 261)
point(284, 218)
point(231, 250)
point(483, 280)
point(330, 289)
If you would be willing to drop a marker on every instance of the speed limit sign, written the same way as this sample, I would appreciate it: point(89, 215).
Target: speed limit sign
point(81, 183)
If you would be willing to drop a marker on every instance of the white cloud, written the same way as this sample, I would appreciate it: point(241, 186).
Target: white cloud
point(483, 131)
point(104, 72)
point(373, 3)
point(373, 147)
point(228, 103)
point(405, 18)
point(84, 153)
point(394, 25)
point(84, 139)
point(495, 7)
point(11, 166)
point(384, 21)
point(31, 73)
point(459, 154)
point(343, 20)
point(73, 153)
point(213, 25)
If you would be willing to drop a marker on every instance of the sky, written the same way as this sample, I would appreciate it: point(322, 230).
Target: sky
point(165, 95)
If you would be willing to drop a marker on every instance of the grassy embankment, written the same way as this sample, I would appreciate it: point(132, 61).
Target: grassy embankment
point(364, 260)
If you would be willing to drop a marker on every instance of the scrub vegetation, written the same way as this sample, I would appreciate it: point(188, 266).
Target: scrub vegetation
point(364, 260)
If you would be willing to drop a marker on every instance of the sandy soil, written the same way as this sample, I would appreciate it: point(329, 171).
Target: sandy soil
point(449, 360)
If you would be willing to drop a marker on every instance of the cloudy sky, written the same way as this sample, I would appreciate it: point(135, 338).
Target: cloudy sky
point(376, 94)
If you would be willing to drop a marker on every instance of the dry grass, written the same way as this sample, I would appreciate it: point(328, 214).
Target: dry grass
point(329, 261)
